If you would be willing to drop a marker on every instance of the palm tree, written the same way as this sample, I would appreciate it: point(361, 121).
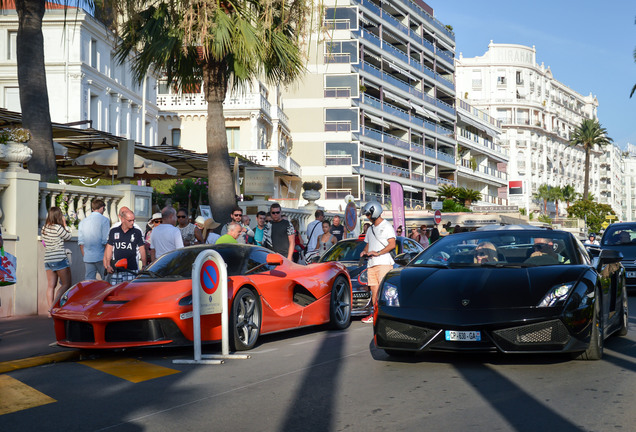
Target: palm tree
point(34, 96)
point(447, 191)
point(543, 194)
point(555, 193)
point(220, 44)
point(468, 195)
point(589, 135)
point(569, 194)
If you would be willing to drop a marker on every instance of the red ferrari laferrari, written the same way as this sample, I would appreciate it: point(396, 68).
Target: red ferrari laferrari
point(266, 294)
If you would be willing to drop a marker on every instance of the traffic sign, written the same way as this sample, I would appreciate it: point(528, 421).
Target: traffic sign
point(605, 225)
point(610, 217)
point(438, 216)
point(209, 277)
point(351, 217)
point(437, 205)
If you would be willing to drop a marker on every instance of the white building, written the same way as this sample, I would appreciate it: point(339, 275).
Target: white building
point(630, 184)
point(612, 177)
point(377, 104)
point(256, 126)
point(84, 80)
point(538, 114)
point(481, 161)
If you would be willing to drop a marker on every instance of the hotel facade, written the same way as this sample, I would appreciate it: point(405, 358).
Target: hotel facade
point(377, 104)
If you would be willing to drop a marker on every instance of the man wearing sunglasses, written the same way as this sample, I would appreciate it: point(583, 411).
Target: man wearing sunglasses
point(279, 234)
point(247, 235)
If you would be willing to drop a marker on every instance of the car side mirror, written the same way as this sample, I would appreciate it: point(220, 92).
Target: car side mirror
point(274, 259)
point(594, 251)
point(122, 263)
point(609, 256)
point(403, 259)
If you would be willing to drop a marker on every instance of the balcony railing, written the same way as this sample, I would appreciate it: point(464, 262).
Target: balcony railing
point(414, 147)
point(386, 199)
point(272, 158)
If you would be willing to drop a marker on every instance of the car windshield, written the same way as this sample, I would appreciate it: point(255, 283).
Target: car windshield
point(523, 248)
point(619, 236)
point(344, 251)
point(178, 264)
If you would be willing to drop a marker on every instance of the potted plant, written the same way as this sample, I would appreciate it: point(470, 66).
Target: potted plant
point(311, 192)
point(13, 149)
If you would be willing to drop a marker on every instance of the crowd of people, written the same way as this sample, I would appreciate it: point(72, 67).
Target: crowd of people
point(116, 253)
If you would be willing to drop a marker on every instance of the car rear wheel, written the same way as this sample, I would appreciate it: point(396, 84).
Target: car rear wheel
point(340, 304)
point(245, 319)
point(595, 349)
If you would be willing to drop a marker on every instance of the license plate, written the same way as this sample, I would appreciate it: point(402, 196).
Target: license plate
point(463, 336)
point(631, 275)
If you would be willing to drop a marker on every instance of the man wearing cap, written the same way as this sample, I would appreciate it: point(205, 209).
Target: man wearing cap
point(92, 236)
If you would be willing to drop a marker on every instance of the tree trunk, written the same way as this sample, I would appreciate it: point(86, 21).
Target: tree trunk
point(545, 206)
point(34, 96)
point(220, 181)
point(586, 184)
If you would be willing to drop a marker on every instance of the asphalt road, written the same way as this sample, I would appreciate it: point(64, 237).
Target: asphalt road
point(318, 380)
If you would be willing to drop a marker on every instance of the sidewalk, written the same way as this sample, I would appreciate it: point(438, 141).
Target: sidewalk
point(25, 342)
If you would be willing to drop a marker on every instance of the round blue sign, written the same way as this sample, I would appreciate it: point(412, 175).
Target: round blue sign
point(209, 277)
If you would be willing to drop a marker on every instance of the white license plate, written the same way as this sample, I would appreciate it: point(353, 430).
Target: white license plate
point(463, 336)
point(631, 275)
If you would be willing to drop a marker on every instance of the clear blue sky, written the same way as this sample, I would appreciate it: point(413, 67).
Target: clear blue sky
point(589, 46)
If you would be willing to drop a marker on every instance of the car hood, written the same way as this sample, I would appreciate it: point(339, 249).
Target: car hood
point(480, 288)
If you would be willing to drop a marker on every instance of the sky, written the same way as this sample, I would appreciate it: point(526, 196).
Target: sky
point(588, 45)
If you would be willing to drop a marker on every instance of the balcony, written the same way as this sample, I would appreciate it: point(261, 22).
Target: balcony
point(272, 158)
point(409, 203)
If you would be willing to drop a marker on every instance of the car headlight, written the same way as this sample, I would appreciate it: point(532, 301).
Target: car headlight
point(557, 293)
point(390, 294)
point(66, 296)
point(363, 278)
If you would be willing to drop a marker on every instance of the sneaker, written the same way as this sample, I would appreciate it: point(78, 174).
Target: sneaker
point(368, 320)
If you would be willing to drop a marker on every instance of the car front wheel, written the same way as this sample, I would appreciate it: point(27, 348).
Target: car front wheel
point(595, 349)
point(340, 305)
point(245, 319)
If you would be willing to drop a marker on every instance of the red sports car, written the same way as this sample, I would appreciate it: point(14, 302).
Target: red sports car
point(266, 294)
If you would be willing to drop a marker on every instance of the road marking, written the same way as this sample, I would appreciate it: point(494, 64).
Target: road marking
point(264, 351)
point(13, 365)
point(132, 370)
point(17, 396)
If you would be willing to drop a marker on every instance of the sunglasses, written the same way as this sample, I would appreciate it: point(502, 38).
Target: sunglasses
point(181, 217)
point(155, 220)
point(482, 253)
point(237, 214)
point(275, 212)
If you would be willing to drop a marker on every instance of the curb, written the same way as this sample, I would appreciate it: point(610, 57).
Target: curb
point(29, 362)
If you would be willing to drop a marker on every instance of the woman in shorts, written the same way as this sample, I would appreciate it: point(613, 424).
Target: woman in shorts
point(54, 233)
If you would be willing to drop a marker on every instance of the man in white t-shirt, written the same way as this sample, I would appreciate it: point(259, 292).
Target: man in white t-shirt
point(380, 241)
point(166, 237)
point(314, 230)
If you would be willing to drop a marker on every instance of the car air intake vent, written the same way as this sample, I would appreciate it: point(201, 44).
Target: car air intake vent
point(77, 331)
point(532, 336)
point(395, 333)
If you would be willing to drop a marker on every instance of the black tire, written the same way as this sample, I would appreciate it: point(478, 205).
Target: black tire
point(245, 320)
point(595, 349)
point(340, 304)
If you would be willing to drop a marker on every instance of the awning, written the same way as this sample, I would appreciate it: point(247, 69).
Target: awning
point(425, 112)
point(377, 120)
point(481, 126)
point(398, 126)
point(399, 69)
point(372, 180)
point(396, 97)
point(408, 188)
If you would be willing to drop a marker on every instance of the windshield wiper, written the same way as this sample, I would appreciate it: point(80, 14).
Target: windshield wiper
point(431, 265)
point(505, 265)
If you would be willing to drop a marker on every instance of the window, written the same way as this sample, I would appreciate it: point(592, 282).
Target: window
point(12, 39)
point(93, 59)
point(233, 138)
point(501, 80)
point(341, 18)
point(176, 137)
point(341, 86)
point(341, 120)
point(162, 87)
point(340, 187)
point(342, 153)
point(341, 52)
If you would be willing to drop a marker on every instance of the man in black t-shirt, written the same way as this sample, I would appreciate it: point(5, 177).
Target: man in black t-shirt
point(279, 234)
point(123, 242)
point(337, 229)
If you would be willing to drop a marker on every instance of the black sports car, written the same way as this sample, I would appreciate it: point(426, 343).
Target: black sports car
point(348, 252)
point(512, 291)
point(621, 237)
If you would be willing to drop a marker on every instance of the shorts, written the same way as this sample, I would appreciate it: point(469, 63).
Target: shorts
point(376, 273)
point(55, 266)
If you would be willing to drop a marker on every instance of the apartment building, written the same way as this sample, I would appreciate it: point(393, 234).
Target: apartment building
point(481, 161)
point(612, 179)
point(377, 104)
point(537, 113)
point(85, 82)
